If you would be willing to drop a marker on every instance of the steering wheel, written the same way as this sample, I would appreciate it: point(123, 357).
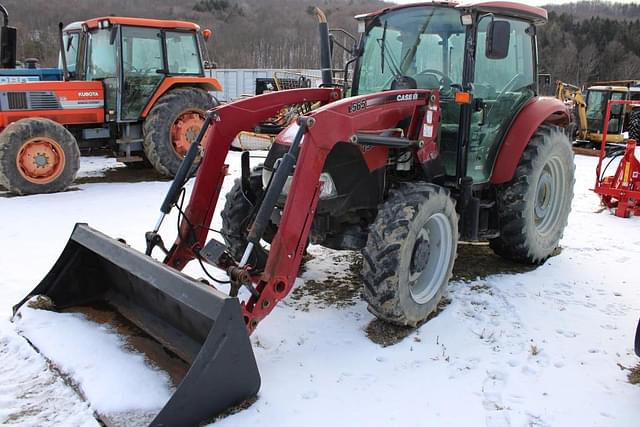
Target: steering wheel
point(130, 68)
point(511, 84)
point(443, 79)
point(445, 82)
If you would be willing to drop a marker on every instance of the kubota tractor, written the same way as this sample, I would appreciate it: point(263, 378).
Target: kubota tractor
point(135, 85)
point(441, 137)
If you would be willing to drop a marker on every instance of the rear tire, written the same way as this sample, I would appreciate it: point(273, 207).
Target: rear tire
point(37, 155)
point(410, 253)
point(534, 207)
point(172, 125)
point(634, 125)
point(236, 219)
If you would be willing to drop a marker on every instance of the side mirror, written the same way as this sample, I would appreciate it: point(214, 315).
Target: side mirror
point(498, 35)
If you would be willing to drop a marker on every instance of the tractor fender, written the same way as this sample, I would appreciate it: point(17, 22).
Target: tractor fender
point(538, 110)
point(206, 83)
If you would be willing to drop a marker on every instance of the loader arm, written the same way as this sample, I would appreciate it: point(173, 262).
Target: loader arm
point(230, 119)
point(335, 122)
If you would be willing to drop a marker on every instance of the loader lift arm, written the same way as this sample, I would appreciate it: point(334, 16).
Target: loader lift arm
point(335, 122)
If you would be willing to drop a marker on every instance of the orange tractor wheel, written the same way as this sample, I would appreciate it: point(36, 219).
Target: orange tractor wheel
point(37, 155)
point(172, 125)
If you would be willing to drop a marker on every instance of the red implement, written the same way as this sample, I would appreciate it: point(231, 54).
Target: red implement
point(620, 191)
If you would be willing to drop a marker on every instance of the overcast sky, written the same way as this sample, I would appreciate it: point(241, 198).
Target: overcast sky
point(533, 2)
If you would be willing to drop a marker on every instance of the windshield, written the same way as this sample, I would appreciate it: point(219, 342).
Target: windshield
point(425, 43)
point(70, 42)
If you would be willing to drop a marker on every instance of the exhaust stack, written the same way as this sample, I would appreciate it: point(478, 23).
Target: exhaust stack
point(325, 49)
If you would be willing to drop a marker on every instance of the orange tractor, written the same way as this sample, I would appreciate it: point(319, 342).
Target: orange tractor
point(135, 85)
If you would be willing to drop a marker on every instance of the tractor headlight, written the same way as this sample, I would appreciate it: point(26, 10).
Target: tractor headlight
point(327, 191)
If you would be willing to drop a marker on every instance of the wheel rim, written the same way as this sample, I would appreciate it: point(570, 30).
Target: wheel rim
point(40, 160)
point(548, 196)
point(430, 258)
point(184, 131)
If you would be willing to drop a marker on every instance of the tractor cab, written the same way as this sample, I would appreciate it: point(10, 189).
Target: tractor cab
point(481, 58)
point(597, 99)
point(132, 57)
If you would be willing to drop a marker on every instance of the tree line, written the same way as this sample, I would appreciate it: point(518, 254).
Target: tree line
point(582, 42)
point(591, 41)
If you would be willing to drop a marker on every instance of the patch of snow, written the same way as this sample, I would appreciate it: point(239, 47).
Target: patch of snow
point(112, 378)
point(540, 348)
point(30, 393)
point(91, 166)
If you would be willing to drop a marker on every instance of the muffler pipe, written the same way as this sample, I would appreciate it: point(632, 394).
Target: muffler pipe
point(325, 49)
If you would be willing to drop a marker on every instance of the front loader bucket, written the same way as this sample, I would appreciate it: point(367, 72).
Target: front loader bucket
point(200, 325)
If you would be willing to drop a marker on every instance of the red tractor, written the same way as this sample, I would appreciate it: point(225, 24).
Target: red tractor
point(440, 137)
point(135, 85)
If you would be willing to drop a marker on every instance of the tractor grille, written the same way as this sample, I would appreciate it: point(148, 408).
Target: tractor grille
point(31, 100)
point(43, 101)
point(17, 100)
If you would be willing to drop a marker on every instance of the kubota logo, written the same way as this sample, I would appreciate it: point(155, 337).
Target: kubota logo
point(88, 94)
point(407, 97)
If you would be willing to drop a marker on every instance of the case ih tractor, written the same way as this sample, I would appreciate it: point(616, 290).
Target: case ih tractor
point(440, 137)
point(135, 85)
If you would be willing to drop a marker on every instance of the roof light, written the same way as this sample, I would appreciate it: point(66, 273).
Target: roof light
point(104, 24)
point(361, 26)
point(466, 19)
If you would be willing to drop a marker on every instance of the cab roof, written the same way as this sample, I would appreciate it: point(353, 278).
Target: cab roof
point(609, 88)
point(136, 22)
point(535, 14)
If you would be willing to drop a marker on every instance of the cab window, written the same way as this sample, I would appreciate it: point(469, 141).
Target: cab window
point(182, 53)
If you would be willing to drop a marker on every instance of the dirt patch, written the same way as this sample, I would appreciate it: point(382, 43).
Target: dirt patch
point(479, 261)
point(233, 410)
point(339, 289)
point(634, 374)
point(387, 334)
point(124, 174)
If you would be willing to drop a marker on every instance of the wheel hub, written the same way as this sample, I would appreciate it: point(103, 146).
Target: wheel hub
point(184, 131)
point(431, 256)
point(40, 160)
point(548, 198)
point(421, 252)
point(543, 198)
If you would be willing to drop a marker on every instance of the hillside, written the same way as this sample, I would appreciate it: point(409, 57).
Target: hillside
point(582, 42)
point(590, 41)
point(258, 33)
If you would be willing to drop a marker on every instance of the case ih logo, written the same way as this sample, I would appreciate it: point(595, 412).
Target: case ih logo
point(88, 94)
point(407, 97)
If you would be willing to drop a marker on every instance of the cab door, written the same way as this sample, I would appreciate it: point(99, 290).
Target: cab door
point(142, 62)
point(501, 87)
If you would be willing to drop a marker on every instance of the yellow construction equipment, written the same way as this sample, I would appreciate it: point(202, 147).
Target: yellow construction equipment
point(588, 112)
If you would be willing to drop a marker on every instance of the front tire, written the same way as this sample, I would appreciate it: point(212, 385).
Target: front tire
point(534, 207)
point(37, 155)
point(236, 219)
point(172, 125)
point(410, 253)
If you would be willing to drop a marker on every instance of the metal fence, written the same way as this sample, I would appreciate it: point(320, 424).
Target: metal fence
point(239, 82)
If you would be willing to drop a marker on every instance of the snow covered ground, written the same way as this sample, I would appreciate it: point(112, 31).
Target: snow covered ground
point(542, 348)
